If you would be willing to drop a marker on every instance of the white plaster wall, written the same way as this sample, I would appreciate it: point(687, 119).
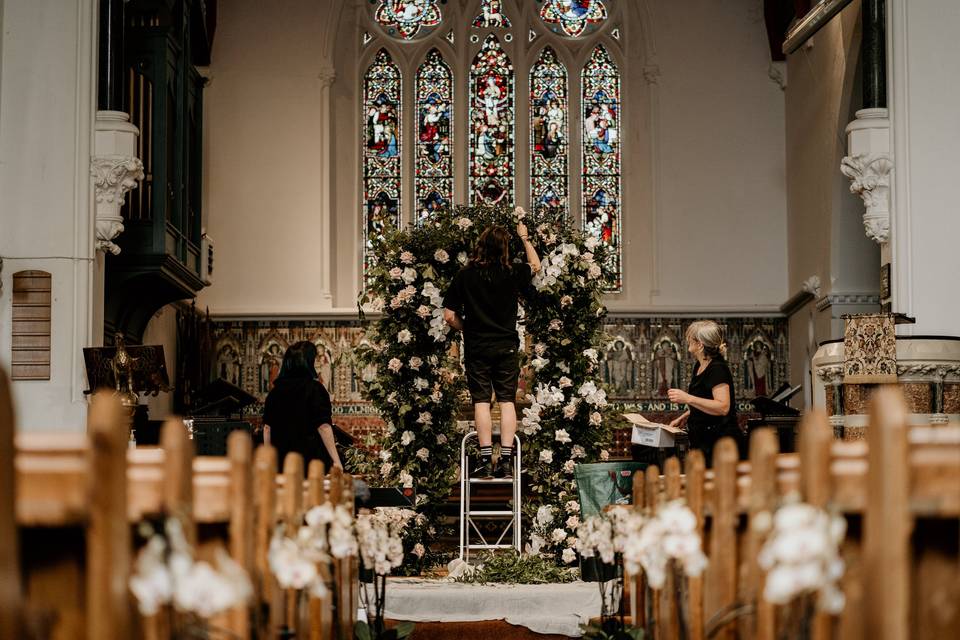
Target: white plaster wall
point(262, 159)
point(924, 85)
point(46, 210)
point(722, 222)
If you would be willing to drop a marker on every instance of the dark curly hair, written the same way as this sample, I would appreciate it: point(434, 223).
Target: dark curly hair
point(492, 248)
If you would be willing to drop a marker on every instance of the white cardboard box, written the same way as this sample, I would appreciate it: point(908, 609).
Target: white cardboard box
point(651, 434)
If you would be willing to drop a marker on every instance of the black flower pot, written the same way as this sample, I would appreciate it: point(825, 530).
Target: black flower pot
point(594, 570)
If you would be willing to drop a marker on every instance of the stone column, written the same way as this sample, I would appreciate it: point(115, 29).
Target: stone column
point(326, 76)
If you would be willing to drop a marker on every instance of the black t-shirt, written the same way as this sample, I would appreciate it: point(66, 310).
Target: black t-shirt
point(700, 424)
point(294, 408)
point(487, 299)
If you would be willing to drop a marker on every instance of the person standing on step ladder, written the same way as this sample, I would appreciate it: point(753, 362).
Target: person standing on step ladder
point(481, 301)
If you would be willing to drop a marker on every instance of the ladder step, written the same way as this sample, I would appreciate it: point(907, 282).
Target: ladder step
point(491, 513)
point(489, 546)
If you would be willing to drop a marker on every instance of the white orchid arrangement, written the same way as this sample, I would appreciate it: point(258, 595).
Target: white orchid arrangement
point(380, 537)
point(646, 544)
point(301, 559)
point(419, 381)
point(802, 555)
point(671, 535)
point(167, 573)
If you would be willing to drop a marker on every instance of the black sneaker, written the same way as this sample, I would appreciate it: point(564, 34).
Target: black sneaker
point(482, 470)
point(504, 469)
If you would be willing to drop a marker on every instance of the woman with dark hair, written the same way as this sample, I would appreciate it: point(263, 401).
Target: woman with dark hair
point(482, 303)
point(297, 413)
point(711, 410)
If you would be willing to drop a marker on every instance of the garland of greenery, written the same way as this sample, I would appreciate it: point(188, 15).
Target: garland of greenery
point(419, 383)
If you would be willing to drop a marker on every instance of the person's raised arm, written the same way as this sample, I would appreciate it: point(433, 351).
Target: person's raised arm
point(532, 258)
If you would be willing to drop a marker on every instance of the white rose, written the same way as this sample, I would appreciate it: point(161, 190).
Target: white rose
point(406, 479)
point(424, 311)
point(415, 363)
point(566, 301)
point(546, 456)
point(418, 550)
point(423, 453)
point(407, 437)
point(561, 435)
point(395, 365)
point(594, 271)
point(441, 256)
point(558, 536)
point(409, 275)
point(569, 555)
point(569, 411)
point(464, 223)
point(441, 439)
point(520, 213)
point(572, 506)
point(396, 273)
point(420, 384)
point(462, 257)
point(569, 466)
point(404, 336)
point(565, 382)
point(573, 522)
point(385, 468)
point(425, 417)
point(596, 418)
point(407, 258)
point(604, 454)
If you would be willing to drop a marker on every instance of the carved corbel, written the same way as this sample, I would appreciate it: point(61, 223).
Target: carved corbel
point(869, 175)
point(113, 176)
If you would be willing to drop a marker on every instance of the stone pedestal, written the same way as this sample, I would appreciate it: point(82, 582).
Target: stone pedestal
point(928, 372)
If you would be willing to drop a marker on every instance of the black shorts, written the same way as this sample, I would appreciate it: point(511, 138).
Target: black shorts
point(492, 371)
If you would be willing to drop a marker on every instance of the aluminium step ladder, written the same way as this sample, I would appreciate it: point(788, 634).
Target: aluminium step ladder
point(468, 515)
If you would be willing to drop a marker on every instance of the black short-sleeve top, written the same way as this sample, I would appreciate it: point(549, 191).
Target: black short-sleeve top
point(486, 299)
point(294, 409)
point(701, 385)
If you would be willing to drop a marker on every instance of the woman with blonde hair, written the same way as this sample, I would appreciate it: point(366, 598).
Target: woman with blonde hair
point(711, 411)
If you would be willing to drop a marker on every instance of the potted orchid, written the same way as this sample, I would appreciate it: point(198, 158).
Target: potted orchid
point(166, 574)
point(300, 559)
point(802, 559)
point(380, 537)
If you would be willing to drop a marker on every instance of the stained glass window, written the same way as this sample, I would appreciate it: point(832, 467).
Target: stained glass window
point(573, 18)
point(491, 125)
point(548, 133)
point(491, 15)
point(600, 82)
point(406, 18)
point(381, 148)
point(434, 163)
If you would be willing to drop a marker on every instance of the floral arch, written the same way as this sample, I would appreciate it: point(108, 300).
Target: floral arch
point(418, 386)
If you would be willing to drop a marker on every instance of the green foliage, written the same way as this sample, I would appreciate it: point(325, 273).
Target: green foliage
point(510, 567)
point(362, 631)
point(610, 630)
point(418, 385)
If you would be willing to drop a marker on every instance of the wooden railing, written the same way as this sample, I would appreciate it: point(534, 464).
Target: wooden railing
point(899, 492)
point(70, 503)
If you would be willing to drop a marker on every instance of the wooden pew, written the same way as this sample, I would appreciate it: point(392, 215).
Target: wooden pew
point(75, 544)
point(11, 596)
point(903, 485)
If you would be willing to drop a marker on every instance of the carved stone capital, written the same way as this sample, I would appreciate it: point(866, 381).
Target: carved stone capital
point(327, 75)
point(831, 374)
point(812, 285)
point(651, 73)
point(869, 175)
point(113, 176)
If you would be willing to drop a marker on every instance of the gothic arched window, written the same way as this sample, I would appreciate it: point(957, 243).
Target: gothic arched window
point(600, 107)
point(382, 183)
point(549, 133)
point(464, 63)
point(491, 125)
point(433, 177)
